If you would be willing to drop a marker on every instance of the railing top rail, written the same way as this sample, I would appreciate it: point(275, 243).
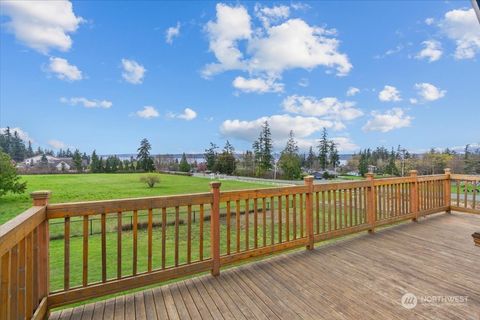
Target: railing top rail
point(19, 227)
point(468, 177)
point(261, 193)
point(432, 177)
point(340, 185)
point(72, 209)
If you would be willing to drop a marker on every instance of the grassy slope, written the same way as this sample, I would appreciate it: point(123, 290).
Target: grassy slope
point(84, 187)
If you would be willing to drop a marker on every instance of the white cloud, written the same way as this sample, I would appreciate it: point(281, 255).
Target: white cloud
point(280, 126)
point(328, 107)
point(56, 144)
point(147, 112)
point(41, 25)
point(389, 93)
point(429, 92)
point(413, 100)
point(87, 103)
point(432, 51)
point(304, 82)
point(257, 85)
point(133, 72)
point(64, 70)
point(462, 27)
point(187, 114)
point(171, 33)
point(387, 121)
point(429, 21)
point(268, 15)
point(344, 144)
point(270, 50)
point(352, 91)
point(21, 134)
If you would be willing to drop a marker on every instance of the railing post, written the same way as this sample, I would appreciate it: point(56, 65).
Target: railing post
point(309, 211)
point(447, 190)
point(215, 228)
point(414, 200)
point(40, 198)
point(371, 203)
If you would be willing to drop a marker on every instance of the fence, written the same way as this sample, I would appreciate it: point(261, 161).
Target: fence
point(164, 242)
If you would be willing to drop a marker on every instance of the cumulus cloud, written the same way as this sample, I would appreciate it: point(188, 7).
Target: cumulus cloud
point(389, 93)
point(432, 51)
point(429, 21)
point(428, 92)
point(280, 126)
point(187, 114)
point(56, 144)
point(133, 72)
point(147, 112)
point(257, 85)
point(63, 70)
point(328, 108)
point(20, 132)
point(171, 33)
point(462, 27)
point(272, 48)
point(387, 121)
point(352, 91)
point(42, 25)
point(87, 103)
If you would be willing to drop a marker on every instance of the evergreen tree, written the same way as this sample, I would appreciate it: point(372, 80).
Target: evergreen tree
point(9, 180)
point(210, 156)
point(266, 147)
point(310, 158)
point(145, 161)
point(290, 160)
point(363, 164)
point(29, 150)
point(334, 158)
point(184, 166)
point(323, 147)
point(226, 161)
point(95, 165)
point(77, 161)
point(392, 167)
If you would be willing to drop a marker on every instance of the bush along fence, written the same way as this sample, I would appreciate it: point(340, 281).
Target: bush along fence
point(51, 257)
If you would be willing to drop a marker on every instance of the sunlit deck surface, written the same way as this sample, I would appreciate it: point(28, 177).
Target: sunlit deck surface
point(361, 277)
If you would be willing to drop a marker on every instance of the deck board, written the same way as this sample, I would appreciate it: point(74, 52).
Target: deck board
point(361, 277)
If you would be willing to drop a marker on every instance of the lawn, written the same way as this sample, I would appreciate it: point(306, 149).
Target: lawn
point(84, 187)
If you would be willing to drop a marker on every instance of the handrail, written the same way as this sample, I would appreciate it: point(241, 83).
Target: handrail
point(176, 236)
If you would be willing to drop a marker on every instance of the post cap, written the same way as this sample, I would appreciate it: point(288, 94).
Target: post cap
point(308, 178)
point(215, 184)
point(413, 172)
point(41, 194)
point(447, 170)
point(370, 175)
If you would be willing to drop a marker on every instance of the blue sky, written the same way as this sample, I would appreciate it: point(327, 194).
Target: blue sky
point(104, 75)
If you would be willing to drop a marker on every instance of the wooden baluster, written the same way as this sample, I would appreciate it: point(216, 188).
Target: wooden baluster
point(85, 251)
point(380, 208)
point(465, 193)
point(457, 182)
point(287, 217)
point(66, 255)
point(329, 210)
point(301, 215)
point(215, 228)
point(371, 203)
point(104, 247)
point(324, 218)
point(317, 203)
point(272, 221)
point(294, 200)
point(119, 244)
point(164, 235)
point(228, 226)
point(247, 224)
point(264, 221)
point(350, 209)
point(13, 282)
point(255, 222)
point(29, 278)
point(309, 211)
point(202, 212)
point(177, 220)
point(4, 286)
point(414, 201)
point(135, 232)
point(149, 240)
point(397, 202)
point(189, 234)
point(474, 202)
point(279, 219)
point(36, 260)
point(335, 209)
point(237, 223)
point(21, 279)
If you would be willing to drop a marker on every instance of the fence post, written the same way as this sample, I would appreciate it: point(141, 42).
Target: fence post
point(371, 208)
point(414, 200)
point(215, 228)
point(309, 211)
point(40, 198)
point(447, 190)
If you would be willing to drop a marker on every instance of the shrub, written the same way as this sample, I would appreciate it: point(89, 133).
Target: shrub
point(150, 180)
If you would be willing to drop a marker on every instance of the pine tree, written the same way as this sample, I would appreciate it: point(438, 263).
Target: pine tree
point(363, 164)
point(145, 161)
point(226, 161)
point(77, 161)
point(323, 148)
point(334, 158)
point(210, 156)
point(290, 160)
point(266, 147)
point(9, 180)
point(184, 166)
point(29, 150)
point(95, 165)
point(311, 158)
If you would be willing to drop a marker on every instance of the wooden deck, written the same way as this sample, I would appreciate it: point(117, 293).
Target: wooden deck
point(362, 277)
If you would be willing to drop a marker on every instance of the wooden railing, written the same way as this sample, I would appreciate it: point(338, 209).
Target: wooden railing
point(104, 247)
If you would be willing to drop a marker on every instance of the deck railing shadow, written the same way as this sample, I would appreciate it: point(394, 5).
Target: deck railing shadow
point(50, 257)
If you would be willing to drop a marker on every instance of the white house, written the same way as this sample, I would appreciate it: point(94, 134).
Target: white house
point(36, 159)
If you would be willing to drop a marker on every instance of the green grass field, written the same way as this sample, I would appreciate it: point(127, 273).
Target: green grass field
point(85, 187)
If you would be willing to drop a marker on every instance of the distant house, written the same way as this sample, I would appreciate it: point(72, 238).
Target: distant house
point(59, 164)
